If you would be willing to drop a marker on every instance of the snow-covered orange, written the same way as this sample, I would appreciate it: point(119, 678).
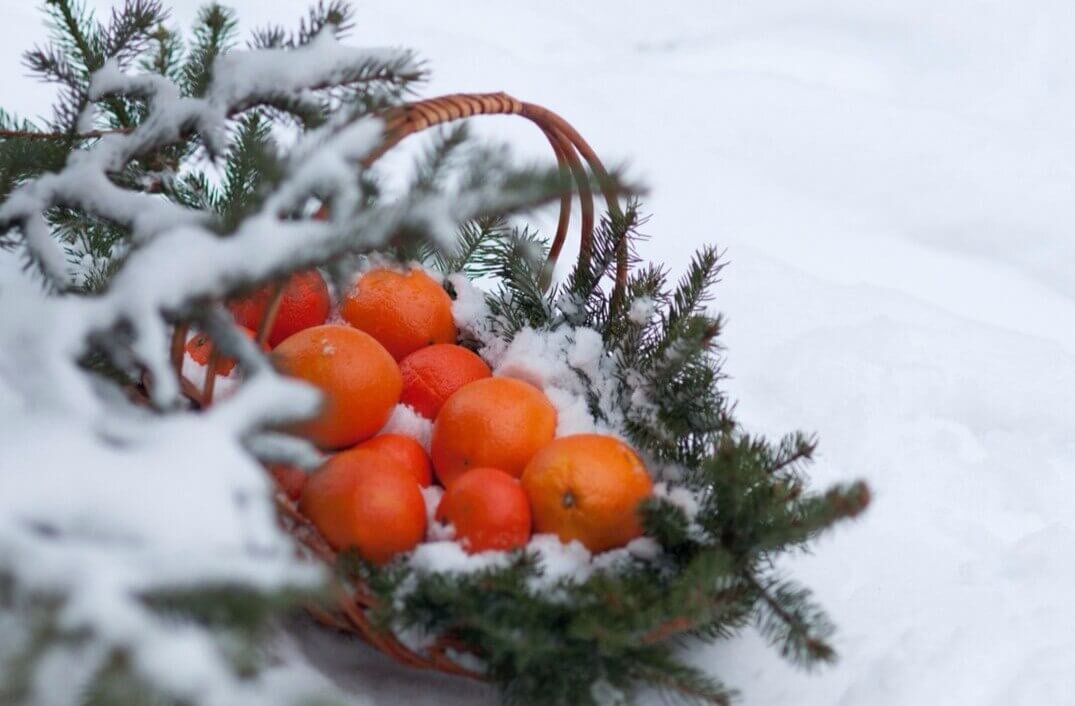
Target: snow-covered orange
point(494, 422)
point(305, 302)
point(200, 348)
point(488, 509)
point(366, 501)
point(405, 451)
point(360, 382)
point(432, 374)
point(404, 311)
point(587, 487)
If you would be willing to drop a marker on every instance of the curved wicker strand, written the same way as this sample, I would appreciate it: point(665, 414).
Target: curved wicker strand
point(540, 114)
point(582, 182)
point(564, 220)
point(408, 119)
point(269, 317)
point(179, 342)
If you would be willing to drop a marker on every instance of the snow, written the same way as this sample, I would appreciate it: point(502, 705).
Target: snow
point(469, 309)
point(642, 310)
point(436, 531)
point(404, 420)
point(448, 557)
point(560, 363)
point(567, 562)
point(322, 62)
point(892, 183)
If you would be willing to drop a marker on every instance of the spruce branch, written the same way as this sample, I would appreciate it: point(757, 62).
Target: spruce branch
point(583, 285)
point(250, 164)
point(166, 54)
point(788, 618)
point(337, 14)
point(479, 250)
point(30, 134)
point(681, 318)
point(432, 167)
point(803, 519)
point(214, 35)
point(131, 29)
point(681, 683)
point(794, 449)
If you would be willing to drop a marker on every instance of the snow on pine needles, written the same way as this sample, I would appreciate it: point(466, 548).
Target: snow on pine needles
point(104, 503)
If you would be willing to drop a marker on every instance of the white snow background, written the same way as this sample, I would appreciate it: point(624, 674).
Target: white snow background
point(894, 183)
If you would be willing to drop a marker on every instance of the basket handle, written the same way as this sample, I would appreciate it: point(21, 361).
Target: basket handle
point(565, 140)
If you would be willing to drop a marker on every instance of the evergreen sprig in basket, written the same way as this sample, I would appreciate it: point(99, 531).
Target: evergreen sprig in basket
point(728, 504)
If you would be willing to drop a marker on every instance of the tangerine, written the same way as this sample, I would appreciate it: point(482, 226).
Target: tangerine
point(587, 487)
point(366, 501)
point(432, 374)
point(404, 311)
point(496, 422)
point(200, 349)
point(488, 509)
point(358, 378)
point(305, 302)
point(405, 451)
point(289, 480)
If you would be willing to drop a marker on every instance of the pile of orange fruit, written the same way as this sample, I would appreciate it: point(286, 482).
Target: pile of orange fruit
point(494, 449)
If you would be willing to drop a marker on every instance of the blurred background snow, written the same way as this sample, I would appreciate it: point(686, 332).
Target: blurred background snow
point(893, 182)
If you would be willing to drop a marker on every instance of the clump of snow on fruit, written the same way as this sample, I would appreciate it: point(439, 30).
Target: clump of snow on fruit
point(404, 420)
point(449, 557)
point(553, 361)
point(436, 530)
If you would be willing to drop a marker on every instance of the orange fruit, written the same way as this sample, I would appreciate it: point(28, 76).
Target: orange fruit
point(368, 502)
point(405, 451)
point(305, 303)
point(289, 480)
point(488, 509)
point(199, 348)
point(432, 374)
point(404, 311)
point(495, 422)
point(587, 487)
point(359, 379)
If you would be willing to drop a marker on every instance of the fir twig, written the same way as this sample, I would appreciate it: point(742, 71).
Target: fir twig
point(214, 35)
point(791, 622)
point(38, 135)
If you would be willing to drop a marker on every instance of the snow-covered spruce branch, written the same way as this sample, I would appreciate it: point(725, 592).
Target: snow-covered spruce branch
point(242, 81)
point(38, 135)
point(153, 501)
point(324, 162)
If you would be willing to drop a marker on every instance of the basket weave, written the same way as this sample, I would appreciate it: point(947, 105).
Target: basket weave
point(571, 150)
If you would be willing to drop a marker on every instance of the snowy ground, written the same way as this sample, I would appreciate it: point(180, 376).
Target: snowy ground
point(893, 182)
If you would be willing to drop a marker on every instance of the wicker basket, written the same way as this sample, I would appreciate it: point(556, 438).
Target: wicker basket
point(571, 150)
